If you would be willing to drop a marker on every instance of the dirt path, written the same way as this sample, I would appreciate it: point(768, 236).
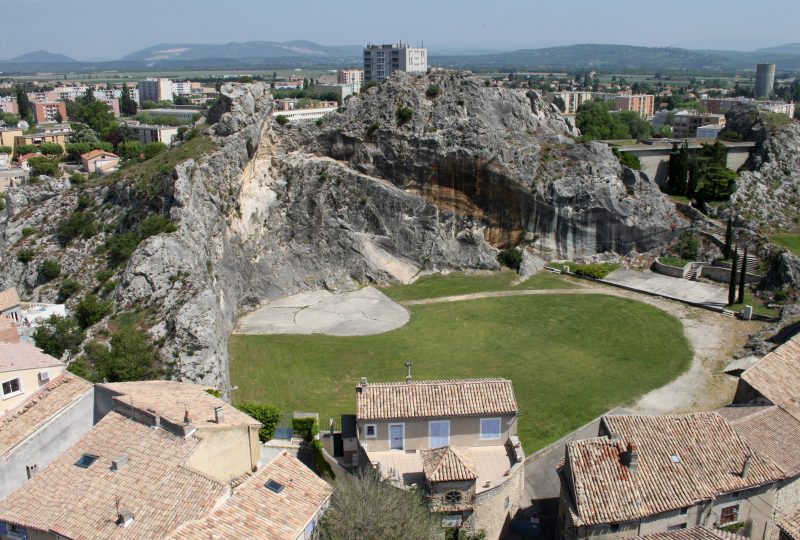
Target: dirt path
point(713, 339)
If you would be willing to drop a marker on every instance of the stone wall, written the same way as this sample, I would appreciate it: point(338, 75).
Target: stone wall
point(667, 270)
point(723, 275)
point(494, 508)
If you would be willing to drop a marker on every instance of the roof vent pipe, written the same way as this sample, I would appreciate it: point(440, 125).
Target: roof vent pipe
point(219, 414)
point(747, 462)
point(408, 372)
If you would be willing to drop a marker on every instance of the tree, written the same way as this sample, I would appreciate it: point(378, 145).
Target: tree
point(365, 506)
point(23, 149)
point(58, 334)
point(44, 166)
point(6, 150)
point(51, 149)
point(90, 310)
point(127, 105)
point(716, 184)
point(129, 359)
point(93, 113)
point(726, 251)
point(58, 118)
point(638, 127)
point(82, 133)
point(732, 282)
point(404, 114)
point(678, 169)
point(742, 278)
point(687, 246)
point(129, 150)
point(268, 415)
point(154, 148)
point(50, 269)
point(596, 122)
point(24, 104)
point(10, 119)
point(67, 289)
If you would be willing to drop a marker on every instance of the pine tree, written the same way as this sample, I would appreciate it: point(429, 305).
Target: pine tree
point(732, 282)
point(126, 104)
point(726, 252)
point(24, 105)
point(742, 278)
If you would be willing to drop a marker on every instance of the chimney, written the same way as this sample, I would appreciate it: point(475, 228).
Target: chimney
point(124, 518)
point(632, 456)
point(361, 386)
point(119, 462)
point(408, 372)
point(747, 461)
point(186, 419)
point(219, 414)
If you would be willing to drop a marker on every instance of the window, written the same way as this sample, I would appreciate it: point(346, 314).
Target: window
point(371, 431)
point(490, 429)
point(684, 510)
point(614, 527)
point(11, 388)
point(678, 527)
point(729, 514)
point(453, 497)
point(273, 486)
point(86, 460)
point(438, 433)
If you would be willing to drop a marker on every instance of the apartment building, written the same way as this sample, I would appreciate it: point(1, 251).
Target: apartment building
point(342, 91)
point(350, 76)
point(151, 89)
point(8, 136)
point(380, 61)
point(642, 104)
point(49, 111)
point(572, 100)
point(181, 114)
point(8, 104)
point(723, 105)
point(147, 133)
point(289, 108)
point(685, 124)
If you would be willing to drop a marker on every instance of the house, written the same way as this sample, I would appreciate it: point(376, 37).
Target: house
point(23, 370)
point(9, 304)
point(651, 474)
point(790, 526)
point(695, 533)
point(147, 133)
point(284, 500)
point(229, 443)
point(24, 158)
point(37, 431)
point(99, 161)
point(455, 438)
point(8, 331)
point(12, 176)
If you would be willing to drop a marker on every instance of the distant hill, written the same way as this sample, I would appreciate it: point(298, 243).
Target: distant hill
point(41, 57)
point(241, 51)
point(787, 48)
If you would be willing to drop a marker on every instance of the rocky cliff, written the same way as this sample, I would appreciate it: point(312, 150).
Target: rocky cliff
point(369, 194)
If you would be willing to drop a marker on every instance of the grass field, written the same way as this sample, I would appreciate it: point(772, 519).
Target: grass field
point(789, 241)
point(571, 357)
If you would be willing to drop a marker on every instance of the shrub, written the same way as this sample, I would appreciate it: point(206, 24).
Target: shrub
point(58, 334)
point(155, 224)
point(103, 276)
point(687, 246)
point(77, 179)
point(268, 415)
point(306, 428)
point(594, 271)
point(214, 392)
point(25, 255)
point(50, 270)
point(84, 202)
point(129, 150)
point(27, 231)
point(6, 150)
point(120, 247)
point(433, 91)
point(152, 149)
point(512, 258)
point(68, 288)
point(130, 357)
point(44, 166)
point(80, 223)
point(404, 114)
point(51, 149)
point(281, 120)
point(90, 310)
point(629, 160)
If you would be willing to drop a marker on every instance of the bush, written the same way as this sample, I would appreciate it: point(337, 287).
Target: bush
point(90, 311)
point(594, 271)
point(51, 149)
point(281, 120)
point(130, 357)
point(50, 270)
point(25, 255)
point(23, 149)
point(687, 246)
point(433, 91)
point(120, 247)
point(152, 149)
point(268, 415)
point(77, 179)
point(27, 231)
point(512, 258)
point(78, 224)
point(155, 224)
point(628, 160)
point(129, 150)
point(404, 114)
point(103, 276)
point(58, 334)
point(68, 288)
point(44, 166)
point(306, 428)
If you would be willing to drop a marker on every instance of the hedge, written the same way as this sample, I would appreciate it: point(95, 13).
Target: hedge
point(268, 415)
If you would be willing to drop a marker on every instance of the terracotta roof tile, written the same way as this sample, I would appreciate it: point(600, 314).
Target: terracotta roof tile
point(19, 423)
point(448, 464)
point(8, 299)
point(421, 399)
point(154, 485)
point(777, 376)
point(94, 153)
point(790, 525)
point(773, 433)
point(19, 356)
point(682, 459)
point(167, 398)
point(253, 511)
point(694, 533)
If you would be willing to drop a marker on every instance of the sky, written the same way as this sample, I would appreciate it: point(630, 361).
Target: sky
point(91, 29)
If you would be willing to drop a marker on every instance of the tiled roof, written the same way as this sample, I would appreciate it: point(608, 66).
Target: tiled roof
point(26, 157)
point(167, 398)
point(154, 485)
point(8, 299)
point(682, 459)
point(95, 153)
point(253, 511)
point(790, 525)
point(421, 399)
point(777, 376)
point(8, 331)
point(19, 356)
point(448, 464)
point(773, 433)
point(19, 423)
point(694, 533)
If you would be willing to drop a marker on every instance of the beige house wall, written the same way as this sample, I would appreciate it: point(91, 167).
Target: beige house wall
point(225, 452)
point(29, 384)
point(7, 136)
point(464, 431)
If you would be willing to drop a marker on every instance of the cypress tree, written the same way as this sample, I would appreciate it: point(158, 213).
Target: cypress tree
point(732, 282)
point(726, 252)
point(742, 278)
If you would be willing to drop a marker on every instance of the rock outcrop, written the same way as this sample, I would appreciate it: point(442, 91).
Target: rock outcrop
point(367, 195)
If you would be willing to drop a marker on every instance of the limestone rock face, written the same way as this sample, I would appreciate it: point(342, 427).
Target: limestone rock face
point(365, 196)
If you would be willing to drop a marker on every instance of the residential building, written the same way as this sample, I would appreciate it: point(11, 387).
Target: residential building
point(708, 132)
point(642, 104)
point(350, 76)
point(455, 438)
point(39, 138)
point(289, 108)
point(24, 369)
point(342, 91)
point(38, 430)
point(99, 161)
point(112, 103)
point(49, 111)
point(181, 114)
point(23, 160)
point(151, 89)
point(10, 306)
point(685, 125)
point(288, 85)
point(8, 104)
point(790, 526)
point(650, 474)
point(147, 133)
point(184, 88)
point(695, 533)
point(380, 61)
point(724, 105)
point(12, 176)
point(8, 136)
point(283, 500)
point(8, 331)
point(572, 100)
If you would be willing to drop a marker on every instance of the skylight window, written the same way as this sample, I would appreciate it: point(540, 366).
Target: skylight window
point(675, 458)
point(86, 460)
point(273, 486)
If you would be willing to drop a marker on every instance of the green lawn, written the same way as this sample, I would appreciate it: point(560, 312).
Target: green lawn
point(789, 241)
point(758, 306)
point(674, 261)
point(457, 283)
point(571, 357)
